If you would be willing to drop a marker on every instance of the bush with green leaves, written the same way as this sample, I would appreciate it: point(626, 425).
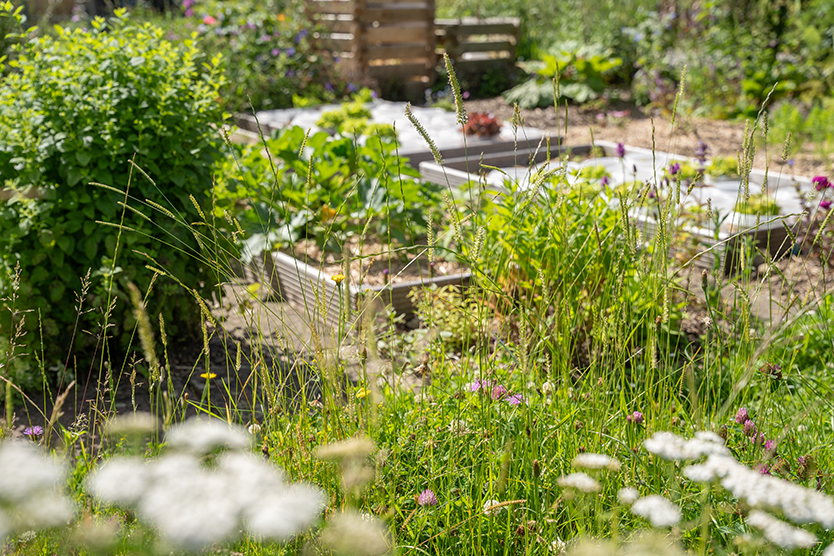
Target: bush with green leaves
point(11, 25)
point(270, 51)
point(77, 108)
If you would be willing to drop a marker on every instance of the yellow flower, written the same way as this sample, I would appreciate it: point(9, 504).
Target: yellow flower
point(338, 278)
point(281, 17)
point(208, 376)
point(362, 392)
point(328, 213)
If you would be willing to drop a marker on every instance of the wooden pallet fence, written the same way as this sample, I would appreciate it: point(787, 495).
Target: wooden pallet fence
point(474, 44)
point(382, 40)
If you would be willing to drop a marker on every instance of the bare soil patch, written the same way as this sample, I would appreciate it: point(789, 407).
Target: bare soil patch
point(641, 130)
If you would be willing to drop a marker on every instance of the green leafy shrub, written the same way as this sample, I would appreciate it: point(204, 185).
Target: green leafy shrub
point(11, 24)
point(270, 51)
point(76, 109)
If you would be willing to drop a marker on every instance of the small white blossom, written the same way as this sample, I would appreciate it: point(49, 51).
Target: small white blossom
point(659, 511)
point(254, 429)
point(627, 496)
point(490, 509)
point(590, 460)
point(799, 504)
point(672, 447)
point(579, 481)
point(348, 534)
point(201, 437)
point(547, 388)
point(780, 533)
point(119, 481)
point(558, 546)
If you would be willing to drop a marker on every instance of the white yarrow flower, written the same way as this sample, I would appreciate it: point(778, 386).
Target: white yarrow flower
point(672, 447)
point(799, 504)
point(119, 481)
point(627, 496)
point(780, 533)
point(200, 436)
point(590, 460)
point(579, 481)
point(659, 511)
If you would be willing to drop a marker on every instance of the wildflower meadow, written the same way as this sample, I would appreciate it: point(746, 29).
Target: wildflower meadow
point(365, 337)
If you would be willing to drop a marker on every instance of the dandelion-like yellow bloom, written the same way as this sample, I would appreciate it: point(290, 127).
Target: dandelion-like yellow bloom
point(338, 278)
point(208, 376)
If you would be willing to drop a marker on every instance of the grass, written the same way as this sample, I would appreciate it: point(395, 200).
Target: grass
point(568, 342)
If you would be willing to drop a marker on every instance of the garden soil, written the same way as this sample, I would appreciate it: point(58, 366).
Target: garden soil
point(638, 129)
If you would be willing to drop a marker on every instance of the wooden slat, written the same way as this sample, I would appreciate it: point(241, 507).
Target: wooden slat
point(486, 29)
point(418, 33)
point(399, 71)
point(399, 52)
point(332, 6)
point(394, 15)
point(475, 65)
point(379, 4)
point(460, 48)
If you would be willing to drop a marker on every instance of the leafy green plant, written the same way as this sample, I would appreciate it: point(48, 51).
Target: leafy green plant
point(270, 51)
point(352, 119)
point(758, 203)
point(77, 109)
point(333, 189)
point(726, 166)
point(585, 71)
point(11, 26)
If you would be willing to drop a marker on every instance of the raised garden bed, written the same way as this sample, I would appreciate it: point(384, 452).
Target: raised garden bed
point(313, 290)
point(738, 229)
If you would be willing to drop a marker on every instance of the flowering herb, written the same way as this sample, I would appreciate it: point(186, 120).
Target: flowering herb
point(621, 150)
point(742, 416)
point(427, 498)
point(821, 183)
point(636, 418)
point(33, 432)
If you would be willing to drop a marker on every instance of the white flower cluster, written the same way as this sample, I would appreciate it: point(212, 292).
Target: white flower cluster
point(627, 496)
point(590, 460)
point(659, 511)
point(579, 481)
point(194, 505)
point(799, 504)
point(30, 483)
point(780, 533)
point(672, 447)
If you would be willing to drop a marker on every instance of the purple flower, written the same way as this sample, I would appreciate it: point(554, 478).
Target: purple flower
point(605, 181)
point(189, 12)
point(515, 399)
point(764, 469)
point(300, 35)
point(790, 162)
point(33, 432)
point(742, 416)
point(290, 51)
point(802, 460)
point(329, 86)
point(620, 150)
point(475, 386)
point(701, 152)
point(498, 392)
point(636, 418)
point(276, 51)
point(820, 183)
point(465, 95)
point(770, 445)
point(674, 169)
point(427, 498)
point(750, 428)
point(825, 204)
point(351, 88)
point(290, 73)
